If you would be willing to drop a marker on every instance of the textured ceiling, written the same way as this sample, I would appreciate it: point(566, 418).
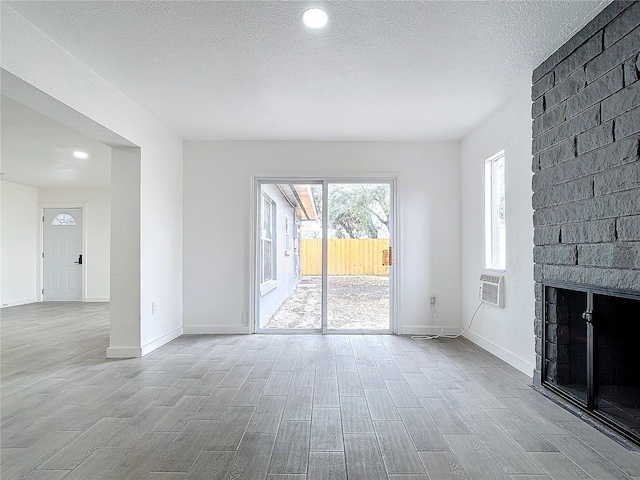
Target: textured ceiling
point(218, 70)
point(38, 151)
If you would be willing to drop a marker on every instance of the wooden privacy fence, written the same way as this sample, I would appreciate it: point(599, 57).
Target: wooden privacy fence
point(347, 256)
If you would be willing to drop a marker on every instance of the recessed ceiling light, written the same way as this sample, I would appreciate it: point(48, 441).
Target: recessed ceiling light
point(315, 18)
point(80, 154)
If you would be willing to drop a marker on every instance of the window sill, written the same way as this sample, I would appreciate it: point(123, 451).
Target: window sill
point(267, 286)
point(495, 270)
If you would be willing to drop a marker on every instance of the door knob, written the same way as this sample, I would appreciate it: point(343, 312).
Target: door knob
point(79, 262)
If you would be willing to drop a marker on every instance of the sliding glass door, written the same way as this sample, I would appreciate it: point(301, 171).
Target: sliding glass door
point(324, 256)
point(359, 256)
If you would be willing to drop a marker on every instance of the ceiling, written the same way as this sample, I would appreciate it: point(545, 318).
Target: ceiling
point(386, 70)
point(38, 151)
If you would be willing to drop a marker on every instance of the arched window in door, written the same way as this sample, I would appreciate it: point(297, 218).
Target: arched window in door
point(63, 219)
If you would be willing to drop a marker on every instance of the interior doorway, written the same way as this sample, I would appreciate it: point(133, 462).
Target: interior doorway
point(62, 131)
point(324, 258)
point(62, 254)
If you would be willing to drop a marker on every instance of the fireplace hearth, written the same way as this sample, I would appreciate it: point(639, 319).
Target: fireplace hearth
point(591, 354)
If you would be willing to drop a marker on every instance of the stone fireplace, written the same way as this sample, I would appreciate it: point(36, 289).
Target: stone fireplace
point(586, 200)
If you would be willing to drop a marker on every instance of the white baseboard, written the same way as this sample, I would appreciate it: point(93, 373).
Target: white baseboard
point(429, 330)
point(137, 352)
point(15, 303)
point(216, 329)
point(96, 299)
point(124, 352)
point(163, 340)
point(513, 360)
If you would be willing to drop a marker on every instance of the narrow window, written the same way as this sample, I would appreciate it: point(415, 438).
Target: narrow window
point(494, 212)
point(268, 268)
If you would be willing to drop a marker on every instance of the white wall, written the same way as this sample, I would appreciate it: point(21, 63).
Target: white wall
point(34, 58)
point(19, 234)
point(217, 226)
point(96, 258)
point(506, 333)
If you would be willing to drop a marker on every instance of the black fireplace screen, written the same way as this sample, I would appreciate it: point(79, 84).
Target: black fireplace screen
point(566, 342)
point(592, 353)
point(617, 355)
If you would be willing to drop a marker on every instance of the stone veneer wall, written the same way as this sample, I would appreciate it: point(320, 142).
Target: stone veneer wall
point(586, 150)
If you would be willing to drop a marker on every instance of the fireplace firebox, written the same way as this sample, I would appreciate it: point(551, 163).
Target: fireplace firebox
point(591, 354)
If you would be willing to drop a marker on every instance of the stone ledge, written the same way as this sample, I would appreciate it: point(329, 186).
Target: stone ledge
point(603, 277)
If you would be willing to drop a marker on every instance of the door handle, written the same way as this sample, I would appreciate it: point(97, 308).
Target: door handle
point(387, 257)
point(79, 262)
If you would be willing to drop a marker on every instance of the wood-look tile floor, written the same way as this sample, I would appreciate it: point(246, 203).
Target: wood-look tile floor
point(277, 407)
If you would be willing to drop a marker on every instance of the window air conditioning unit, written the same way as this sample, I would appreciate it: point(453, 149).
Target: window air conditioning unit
point(492, 290)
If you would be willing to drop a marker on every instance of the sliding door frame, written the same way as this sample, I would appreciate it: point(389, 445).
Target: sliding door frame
point(254, 311)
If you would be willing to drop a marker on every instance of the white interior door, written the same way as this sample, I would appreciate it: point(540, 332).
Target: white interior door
point(62, 241)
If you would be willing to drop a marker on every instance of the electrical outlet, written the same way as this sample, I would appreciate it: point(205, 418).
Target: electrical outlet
point(245, 318)
point(154, 308)
point(432, 300)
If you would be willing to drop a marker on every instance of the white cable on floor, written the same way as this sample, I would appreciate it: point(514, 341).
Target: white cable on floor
point(442, 334)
